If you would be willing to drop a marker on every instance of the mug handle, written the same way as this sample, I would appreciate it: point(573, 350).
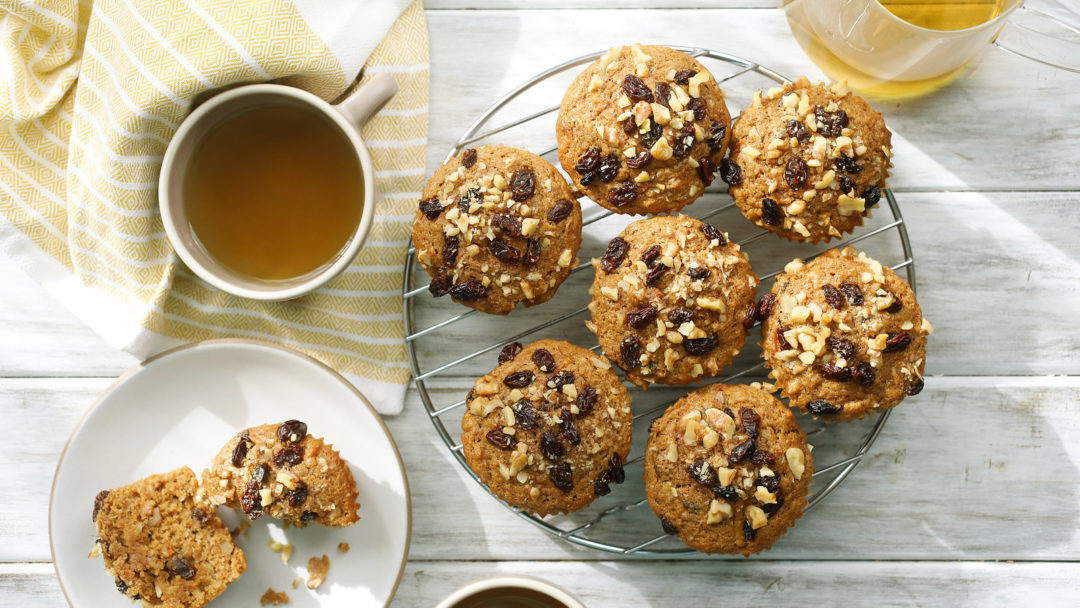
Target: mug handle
point(368, 99)
point(1041, 37)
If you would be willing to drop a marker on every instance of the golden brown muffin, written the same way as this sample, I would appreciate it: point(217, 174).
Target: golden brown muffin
point(643, 129)
point(726, 469)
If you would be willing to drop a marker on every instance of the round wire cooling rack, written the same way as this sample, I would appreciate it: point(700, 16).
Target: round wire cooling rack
point(616, 523)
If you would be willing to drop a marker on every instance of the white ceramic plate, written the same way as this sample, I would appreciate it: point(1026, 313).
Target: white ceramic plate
point(179, 409)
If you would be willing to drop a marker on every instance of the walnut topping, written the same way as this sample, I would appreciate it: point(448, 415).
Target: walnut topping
point(796, 461)
point(718, 512)
point(756, 517)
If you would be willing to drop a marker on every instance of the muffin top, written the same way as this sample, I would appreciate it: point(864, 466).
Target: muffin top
point(726, 469)
point(808, 161)
point(549, 429)
point(668, 298)
point(497, 226)
point(642, 129)
point(843, 335)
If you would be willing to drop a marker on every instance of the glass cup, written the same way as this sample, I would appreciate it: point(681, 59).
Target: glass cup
point(895, 49)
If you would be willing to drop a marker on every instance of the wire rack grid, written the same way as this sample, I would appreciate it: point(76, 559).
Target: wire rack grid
point(585, 530)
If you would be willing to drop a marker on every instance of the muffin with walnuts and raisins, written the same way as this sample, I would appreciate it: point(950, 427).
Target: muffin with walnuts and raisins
point(497, 226)
point(727, 469)
point(843, 335)
point(668, 298)
point(283, 472)
point(549, 429)
point(643, 129)
point(808, 161)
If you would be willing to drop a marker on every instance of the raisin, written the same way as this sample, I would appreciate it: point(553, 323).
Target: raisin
point(508, 224)
point(291, 431)
point(750, 317)
point(916, 387)
point(200, 515)
point(298, 495)
point(698, 106)
point(308, 516)
point(431, 208)
point(121, 586)
point(706, 170)
point(669, 528)
point(630, 352)
point(681, 315)
point(847, 164)
point(655, 274)
point(289, 455)
point(615, 466)
point(450, 250)
point(702, 472)
point(100, 498)
point(650, 255)
point(853, 293)
point(896, 305)
point(636, 90)
point(748, 531)
point(757, 313)
point(847, 185)
point(544, 360)
point(500, 439)
point(684, 141)
point(468, 291)
point(781, 341)
point(833, 297)
point(795, 173)
point(701, 346)
point(589, 161)
point(615, 254)
point(834, 373)
point(713, 234)
point(715, 136)
point(698, 273)
point(823, 408)
point(863, 374)
point(587, 178)
point(522, 185)
point(640, 161)
point(871, 195)
point(525, 415)
point(771, 508)
point(771, 213)
point(842, 347)
point(241, 449)
point(562, 476)
point(798, 130)
point(466, 201)
point(653, 135)
point(509, 352)
point(624, 194)
point(550, 446)
point(750, 421)
point(609, 168)
point(663, 94)
point(569, 429)
point(260, 474)
point(897, 342)
point(730, 172)
point(683, 76)
point(440, 284)
point(251, 501)
point(504, 252)
point(741, 451)
point(519, 379)
point(640, 318)
point(561, 379)
point(769, 482)
point(586, 400)
point(725, 492)
point(560, 211)
point(601, 487)
point(629, 127)
point(533, 248)
point(830, 123)
point(759, 457)
point(179, 566)
point(468, 158)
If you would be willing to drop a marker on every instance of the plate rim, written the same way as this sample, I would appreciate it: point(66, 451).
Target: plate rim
point(245, 342)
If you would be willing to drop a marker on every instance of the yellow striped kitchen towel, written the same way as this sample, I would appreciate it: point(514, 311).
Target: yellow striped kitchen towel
point(90, 93)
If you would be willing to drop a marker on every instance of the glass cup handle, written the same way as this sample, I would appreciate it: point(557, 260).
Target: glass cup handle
point(1042, 37)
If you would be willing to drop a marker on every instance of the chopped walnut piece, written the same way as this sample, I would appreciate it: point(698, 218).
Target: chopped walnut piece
point(273, 598)
point(317, 569)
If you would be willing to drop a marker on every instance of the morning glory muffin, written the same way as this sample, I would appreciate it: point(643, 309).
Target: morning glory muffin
point(548, 430)
point(643, 129)
point(808, 161)
point(163, 545)
point(727, 468)
point(843, 336)
point(497, 226)
point(668, 300)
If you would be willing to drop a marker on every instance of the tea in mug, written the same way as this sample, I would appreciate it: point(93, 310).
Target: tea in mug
point(274, 192)
point(509, 597)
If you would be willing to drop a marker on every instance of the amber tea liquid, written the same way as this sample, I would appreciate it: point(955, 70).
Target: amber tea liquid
point(274, 192)
point(818, 30)
point(509, 597)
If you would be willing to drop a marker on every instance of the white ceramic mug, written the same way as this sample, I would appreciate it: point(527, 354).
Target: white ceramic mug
point(511, 581)
point(348, 116)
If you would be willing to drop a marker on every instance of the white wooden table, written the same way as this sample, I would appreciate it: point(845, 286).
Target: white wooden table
point(971, 496)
